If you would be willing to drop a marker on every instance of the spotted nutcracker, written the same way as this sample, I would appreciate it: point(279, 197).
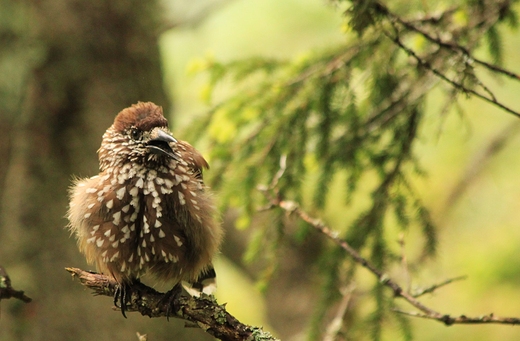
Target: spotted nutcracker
point(148, 210)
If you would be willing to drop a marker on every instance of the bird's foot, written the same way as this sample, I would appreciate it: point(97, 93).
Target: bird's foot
point(169, 299)
point(123, 294)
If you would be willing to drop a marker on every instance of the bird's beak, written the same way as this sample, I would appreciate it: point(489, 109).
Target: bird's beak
point(160, 144)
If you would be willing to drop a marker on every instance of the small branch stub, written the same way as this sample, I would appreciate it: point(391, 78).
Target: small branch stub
point(7, 291)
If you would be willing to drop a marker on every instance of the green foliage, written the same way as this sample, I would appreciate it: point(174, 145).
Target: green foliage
point(362, 15)
point(494, 45)
point(404, 326)
point(332, 258)
point(354, 110)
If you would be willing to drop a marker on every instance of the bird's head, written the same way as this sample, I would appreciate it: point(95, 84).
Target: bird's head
point(139, 134)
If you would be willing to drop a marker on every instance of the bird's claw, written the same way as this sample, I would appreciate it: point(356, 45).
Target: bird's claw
point(169, 299)
point(122, 296)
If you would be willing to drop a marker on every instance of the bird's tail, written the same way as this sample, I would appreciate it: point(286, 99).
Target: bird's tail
point(206, 283)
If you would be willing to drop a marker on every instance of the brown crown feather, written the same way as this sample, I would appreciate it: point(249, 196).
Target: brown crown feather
point(143, 115)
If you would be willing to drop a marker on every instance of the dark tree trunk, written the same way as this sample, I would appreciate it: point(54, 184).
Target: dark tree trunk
point(68, 67)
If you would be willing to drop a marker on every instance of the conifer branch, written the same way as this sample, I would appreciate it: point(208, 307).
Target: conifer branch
point(452, 44)
point(293, 208)
point(459, 86)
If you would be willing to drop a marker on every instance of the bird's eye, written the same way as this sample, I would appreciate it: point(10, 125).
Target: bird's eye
point(135, 133)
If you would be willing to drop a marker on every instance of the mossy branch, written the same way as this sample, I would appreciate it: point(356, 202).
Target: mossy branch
point(204, 312)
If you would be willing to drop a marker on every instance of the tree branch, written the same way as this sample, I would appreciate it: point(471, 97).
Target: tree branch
point(463, 319)
point(7, 291)
point(292, 207)
point(481, 23)
point(436, 286)
point(451, 45)
point(427, 65)
point(204, 312)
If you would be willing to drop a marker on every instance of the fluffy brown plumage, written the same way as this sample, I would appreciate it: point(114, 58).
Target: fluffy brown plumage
point(148, 210)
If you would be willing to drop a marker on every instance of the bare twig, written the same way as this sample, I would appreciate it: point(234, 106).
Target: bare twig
point(337, 323)
point(434, 287)
point(204, 312)
point(480, 161)
point(281, 171)
point(7, 291)
point(404, 262)
point(462, 319)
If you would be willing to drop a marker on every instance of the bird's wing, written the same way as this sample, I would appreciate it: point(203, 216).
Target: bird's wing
point(195, 160)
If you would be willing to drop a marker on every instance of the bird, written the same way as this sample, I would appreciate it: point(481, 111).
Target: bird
point(148, 211)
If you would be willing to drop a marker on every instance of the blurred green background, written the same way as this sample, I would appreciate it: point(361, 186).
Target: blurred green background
point(478, 222)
